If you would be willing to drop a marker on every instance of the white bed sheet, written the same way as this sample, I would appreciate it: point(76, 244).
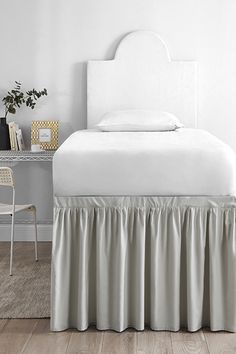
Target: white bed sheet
point(182, 162)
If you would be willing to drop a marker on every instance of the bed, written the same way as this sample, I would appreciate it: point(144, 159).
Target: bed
point(144, 222)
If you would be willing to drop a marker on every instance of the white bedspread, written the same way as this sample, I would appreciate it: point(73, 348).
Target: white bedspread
point(182, 162)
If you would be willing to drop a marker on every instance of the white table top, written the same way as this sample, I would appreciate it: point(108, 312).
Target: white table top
point(26, 155)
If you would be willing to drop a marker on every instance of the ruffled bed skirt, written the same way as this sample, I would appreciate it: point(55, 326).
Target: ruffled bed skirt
point(165, 262)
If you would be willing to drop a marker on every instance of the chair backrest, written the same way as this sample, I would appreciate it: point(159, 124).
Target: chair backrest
point(6, 177)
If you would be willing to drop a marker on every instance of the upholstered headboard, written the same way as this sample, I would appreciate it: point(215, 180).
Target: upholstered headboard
point(142, 76)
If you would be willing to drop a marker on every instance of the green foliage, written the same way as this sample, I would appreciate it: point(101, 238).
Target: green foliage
point(16, 97)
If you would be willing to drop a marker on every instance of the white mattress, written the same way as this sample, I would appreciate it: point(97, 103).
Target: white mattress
point(183, 162)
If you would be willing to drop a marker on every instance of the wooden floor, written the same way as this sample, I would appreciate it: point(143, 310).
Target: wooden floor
point(34, 336)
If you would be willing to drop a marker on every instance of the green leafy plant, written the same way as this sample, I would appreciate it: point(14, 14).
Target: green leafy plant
point(16, 97)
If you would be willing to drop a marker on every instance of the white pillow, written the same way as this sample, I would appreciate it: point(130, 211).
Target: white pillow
point(138, 120)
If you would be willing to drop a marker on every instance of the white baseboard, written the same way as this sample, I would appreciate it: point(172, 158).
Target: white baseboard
point(26, 232)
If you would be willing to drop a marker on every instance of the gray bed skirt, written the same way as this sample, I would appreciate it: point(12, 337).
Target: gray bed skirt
point(165, 262)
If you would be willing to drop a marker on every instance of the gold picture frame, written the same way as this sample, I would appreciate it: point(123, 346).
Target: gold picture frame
point(45, 134)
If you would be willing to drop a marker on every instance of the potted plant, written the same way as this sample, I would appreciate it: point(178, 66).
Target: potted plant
point(13, 100)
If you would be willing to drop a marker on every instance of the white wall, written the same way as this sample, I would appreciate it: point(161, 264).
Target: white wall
point(47, 43)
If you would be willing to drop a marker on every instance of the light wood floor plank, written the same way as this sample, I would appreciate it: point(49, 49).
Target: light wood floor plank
point(89, 341)
point(46, 342)
point(221, 342)
point(117, 343)
point(34, 336)
point(187, 336)
point(152, 342)
point(2, 324)
point(187, 342)
point(190, 348)
point(15, 334)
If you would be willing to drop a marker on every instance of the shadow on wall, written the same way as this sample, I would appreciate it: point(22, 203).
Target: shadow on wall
point(112, 49)
point(78, 114)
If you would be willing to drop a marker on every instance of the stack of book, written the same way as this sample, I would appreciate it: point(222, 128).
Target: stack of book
point(16, 139)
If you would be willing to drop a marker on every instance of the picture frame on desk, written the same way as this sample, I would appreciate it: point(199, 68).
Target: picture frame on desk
point(45, 134)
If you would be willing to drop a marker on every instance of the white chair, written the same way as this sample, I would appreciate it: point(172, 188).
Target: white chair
point(7, 180)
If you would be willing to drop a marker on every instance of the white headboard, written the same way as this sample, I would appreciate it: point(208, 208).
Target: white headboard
point(142, 76)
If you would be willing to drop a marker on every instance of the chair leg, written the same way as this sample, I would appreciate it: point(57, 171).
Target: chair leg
point(36, 235)
point(12, 241)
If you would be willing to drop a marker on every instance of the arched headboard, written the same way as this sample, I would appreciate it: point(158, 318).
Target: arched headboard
point(142, 76)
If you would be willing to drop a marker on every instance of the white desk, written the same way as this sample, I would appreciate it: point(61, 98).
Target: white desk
point(12, 158)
